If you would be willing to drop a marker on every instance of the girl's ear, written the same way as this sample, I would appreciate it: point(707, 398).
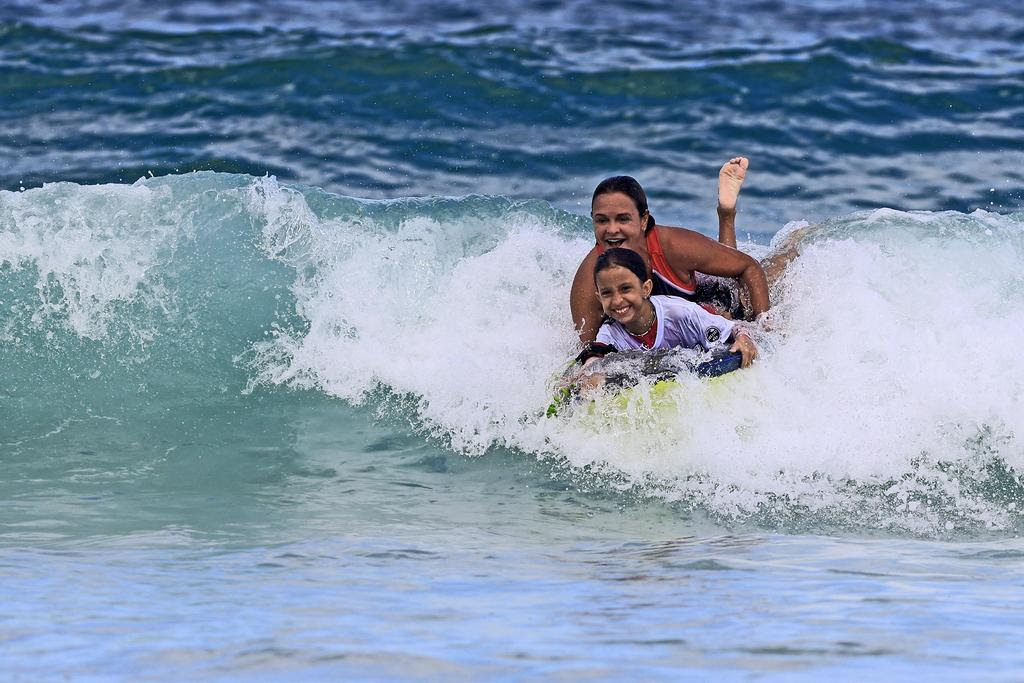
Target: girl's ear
point(648, 287)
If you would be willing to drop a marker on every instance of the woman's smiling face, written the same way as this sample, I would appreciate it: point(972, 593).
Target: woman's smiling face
point(617, 223)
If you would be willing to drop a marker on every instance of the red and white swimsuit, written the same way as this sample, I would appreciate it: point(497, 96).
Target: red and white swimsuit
point(715, 294)
point(662, 272)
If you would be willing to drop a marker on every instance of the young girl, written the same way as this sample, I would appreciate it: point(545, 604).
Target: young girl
point(637, 320)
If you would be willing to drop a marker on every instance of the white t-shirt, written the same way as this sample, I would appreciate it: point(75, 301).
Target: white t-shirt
point(680, 323)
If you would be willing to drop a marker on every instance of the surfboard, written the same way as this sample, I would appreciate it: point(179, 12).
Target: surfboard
point(625, 369)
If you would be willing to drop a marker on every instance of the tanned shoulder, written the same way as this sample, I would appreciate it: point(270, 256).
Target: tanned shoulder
point(585, 273)
point(583, 302)
point(683, 247)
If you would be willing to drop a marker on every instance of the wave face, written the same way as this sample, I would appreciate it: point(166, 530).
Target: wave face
point(889, 395)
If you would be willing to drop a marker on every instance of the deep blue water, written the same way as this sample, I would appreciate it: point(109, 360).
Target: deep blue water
point(840, 108)
point(283, 287)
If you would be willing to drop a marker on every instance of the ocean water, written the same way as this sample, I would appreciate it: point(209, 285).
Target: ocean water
point(283, 291)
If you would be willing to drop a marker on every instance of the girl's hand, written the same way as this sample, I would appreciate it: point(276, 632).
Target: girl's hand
point(588, 381)
point(580, 378)
point(746, 348)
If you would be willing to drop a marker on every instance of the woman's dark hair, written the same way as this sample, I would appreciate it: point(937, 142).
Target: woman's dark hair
point(628, 186)
point(626, 258)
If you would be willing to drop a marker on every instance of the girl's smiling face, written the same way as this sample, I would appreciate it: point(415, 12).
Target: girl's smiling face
point(617, 223)
point(623, 297)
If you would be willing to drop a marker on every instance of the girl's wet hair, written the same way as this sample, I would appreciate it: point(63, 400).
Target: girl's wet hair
point(628, 186)
point(626, 258)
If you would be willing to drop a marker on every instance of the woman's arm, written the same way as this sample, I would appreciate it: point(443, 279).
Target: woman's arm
point(687, 250)
point(583, 302)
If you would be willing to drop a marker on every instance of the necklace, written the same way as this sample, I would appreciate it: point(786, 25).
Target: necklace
point(654, 319)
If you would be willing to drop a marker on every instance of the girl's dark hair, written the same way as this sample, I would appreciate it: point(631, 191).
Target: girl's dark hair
point(626, 258)
point(628, 186)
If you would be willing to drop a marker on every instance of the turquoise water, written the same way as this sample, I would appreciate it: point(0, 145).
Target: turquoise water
point(283, 289)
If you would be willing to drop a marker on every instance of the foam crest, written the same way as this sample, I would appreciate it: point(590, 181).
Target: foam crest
point(90, 247)
point(465, 313)
point(889, 393)
point(891, 396)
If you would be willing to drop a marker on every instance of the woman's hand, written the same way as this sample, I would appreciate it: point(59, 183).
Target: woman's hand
point(745, 346)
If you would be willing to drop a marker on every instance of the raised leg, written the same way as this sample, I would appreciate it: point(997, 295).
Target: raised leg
point(730, 179)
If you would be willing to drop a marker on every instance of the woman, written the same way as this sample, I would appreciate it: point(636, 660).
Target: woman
point(679, 259)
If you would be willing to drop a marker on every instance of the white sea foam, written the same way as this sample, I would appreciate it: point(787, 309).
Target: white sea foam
point(91, 247)
point(892, 381)
point(889, 393)
point(469, 317)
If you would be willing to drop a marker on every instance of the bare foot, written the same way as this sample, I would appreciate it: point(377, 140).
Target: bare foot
point(730, 178)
